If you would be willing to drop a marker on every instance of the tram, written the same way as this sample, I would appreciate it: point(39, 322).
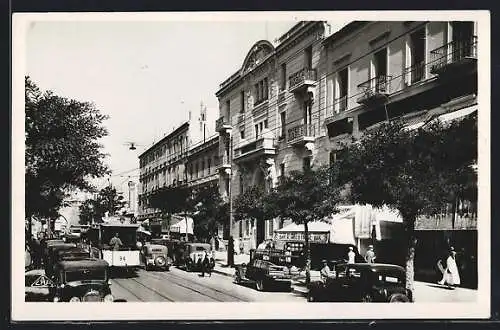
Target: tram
point(126, 255)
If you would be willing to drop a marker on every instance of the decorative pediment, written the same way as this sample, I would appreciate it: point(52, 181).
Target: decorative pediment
point(257, 54)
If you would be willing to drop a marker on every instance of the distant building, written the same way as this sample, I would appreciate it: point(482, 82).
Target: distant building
point(173, 161)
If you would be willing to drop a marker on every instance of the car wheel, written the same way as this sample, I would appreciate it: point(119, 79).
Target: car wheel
point(398, 298)
point(160, 262)
point(260, 285)
point(367, 298)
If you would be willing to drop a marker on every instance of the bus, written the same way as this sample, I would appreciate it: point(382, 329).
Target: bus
point(127, 255)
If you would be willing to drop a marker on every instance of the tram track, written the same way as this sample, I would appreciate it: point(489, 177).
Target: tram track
point(143, 285)
point(177, 277)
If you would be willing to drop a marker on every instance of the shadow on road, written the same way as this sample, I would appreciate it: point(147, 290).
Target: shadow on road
point(444, 287)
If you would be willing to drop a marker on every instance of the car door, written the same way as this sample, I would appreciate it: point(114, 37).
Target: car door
point(353, 286)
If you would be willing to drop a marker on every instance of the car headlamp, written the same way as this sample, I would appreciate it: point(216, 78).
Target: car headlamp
point(74, 299)
point(56, 299)
point(109, 298)
point(139, 245)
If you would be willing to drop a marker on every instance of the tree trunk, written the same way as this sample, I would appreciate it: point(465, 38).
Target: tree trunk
point(260, 231)
point(410, 256)
point(308, 253)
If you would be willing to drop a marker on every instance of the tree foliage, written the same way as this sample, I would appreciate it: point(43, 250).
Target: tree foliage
point(210, 211)
point(175, 199)
point(304, 197)
point(62, 148)
point(254, 204)
point(108, 200)
point(415, 172)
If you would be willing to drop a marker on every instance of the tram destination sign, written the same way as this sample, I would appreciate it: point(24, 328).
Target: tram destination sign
point(299, 236)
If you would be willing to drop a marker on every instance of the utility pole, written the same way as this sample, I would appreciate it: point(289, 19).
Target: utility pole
point(230, 250)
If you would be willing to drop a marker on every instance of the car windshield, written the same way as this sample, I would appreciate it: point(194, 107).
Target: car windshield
point(86, 275)
point(200, 248)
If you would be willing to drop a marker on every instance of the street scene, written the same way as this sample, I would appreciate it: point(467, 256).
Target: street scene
point(262, 161)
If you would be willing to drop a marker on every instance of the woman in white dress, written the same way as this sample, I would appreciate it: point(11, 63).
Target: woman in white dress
point(451, 276)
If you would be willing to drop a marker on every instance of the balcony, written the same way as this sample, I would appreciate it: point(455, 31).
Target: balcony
point(263, 146)
point(415, 73)
point(302, 80)
point(222, 125)
point(225, 165)
point(281, 96)
point(455, 56)
point(374, 89)
point(240, 118)
point(301, 134)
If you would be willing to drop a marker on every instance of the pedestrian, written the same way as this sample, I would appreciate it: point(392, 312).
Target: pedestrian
point(242, 245)
point(116, 242)
point(205, 265)
point(451, 276)
point(351, 255)
point(370, 255)
point(325, 271)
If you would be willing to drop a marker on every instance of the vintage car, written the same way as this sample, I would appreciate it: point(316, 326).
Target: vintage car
point(362, 282)
point(190, 255)
point(51, 254)
point(155, 256)
point(84, 280)
point(38, 286)
point(264, 274)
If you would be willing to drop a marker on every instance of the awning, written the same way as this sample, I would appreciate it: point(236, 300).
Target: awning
point(457, 114)
point(315, 226)
point(180, 226)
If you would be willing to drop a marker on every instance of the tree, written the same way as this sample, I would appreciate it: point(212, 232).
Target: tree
point(108, 200)
point(62, 149)
point(209, 211)
point(304, 197)
point(415, 172)
point(171, 200)
point(254, 204)
point(88, 213)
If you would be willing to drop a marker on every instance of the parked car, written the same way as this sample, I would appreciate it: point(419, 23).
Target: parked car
point(190, 255)
point(38, 286)
point(264, 274)
point(52, 254)
point(155, 256)
point(83, 280)
point(362, 282)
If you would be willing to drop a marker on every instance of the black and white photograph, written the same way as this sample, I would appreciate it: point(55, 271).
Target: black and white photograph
point(246, 165)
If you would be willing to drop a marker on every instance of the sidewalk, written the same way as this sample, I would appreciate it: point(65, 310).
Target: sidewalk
point(424, 292)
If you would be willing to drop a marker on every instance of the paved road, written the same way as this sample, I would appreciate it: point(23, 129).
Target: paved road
point(181, 286)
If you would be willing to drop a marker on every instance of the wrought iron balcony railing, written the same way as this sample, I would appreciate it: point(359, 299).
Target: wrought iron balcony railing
point(300, 131)
point(454, 52)
point(415, 73)
point(375, 87)
point(340, 104)
point(301, 77)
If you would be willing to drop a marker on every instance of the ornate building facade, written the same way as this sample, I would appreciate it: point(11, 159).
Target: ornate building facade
point(293, 105)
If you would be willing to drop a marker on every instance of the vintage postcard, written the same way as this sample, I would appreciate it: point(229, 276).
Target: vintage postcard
point(251, 165)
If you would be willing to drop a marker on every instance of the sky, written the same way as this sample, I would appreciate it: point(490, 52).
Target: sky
point(144, 75)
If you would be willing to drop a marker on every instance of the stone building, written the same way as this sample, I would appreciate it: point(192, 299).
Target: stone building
point(171, 161)
point(294, 105)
